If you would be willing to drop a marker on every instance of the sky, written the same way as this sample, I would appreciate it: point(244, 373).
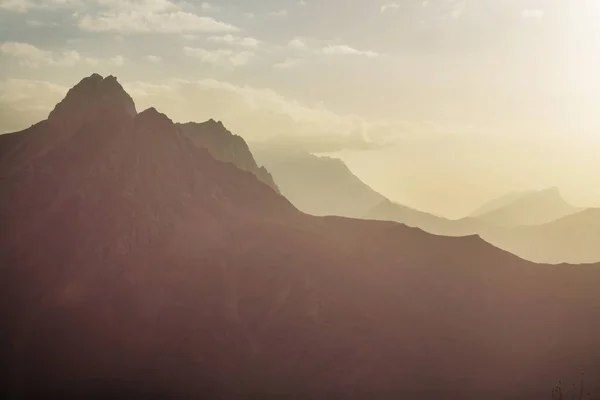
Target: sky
point(437, 104)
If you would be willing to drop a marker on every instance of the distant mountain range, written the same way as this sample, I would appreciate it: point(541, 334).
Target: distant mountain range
point(528, 208)
point(573, 238)
point(528, 224)
point(135, 264)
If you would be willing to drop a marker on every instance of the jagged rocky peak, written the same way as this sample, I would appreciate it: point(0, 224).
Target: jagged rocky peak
point(92, 95)
point(153, 115)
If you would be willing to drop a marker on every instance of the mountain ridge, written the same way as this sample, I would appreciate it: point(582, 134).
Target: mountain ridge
point(133, 263)
point(320, 185)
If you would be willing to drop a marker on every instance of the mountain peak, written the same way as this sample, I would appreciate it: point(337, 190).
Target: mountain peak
point(93, 94)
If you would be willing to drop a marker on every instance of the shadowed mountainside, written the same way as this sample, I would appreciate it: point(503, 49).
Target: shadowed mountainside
point(225, 146)
point(134, 264)
point(320, 185)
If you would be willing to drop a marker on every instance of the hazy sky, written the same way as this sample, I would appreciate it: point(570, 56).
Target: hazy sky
point(439, 104)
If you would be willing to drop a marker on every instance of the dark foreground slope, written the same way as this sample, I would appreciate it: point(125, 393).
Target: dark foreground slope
point(133, 264)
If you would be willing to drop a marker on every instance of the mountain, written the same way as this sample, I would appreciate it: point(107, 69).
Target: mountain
point(320, 185)
point(500, 202)
point(573, 239)
point(225, 146)
point(570, 239)
point(533, 208)
point(133, 264)
point(390, 211)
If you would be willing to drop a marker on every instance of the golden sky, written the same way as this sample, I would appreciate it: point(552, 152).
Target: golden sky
point(439, 104)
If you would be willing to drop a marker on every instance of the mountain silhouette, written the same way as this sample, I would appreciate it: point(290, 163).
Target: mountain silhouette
point(320, 185)
point(133, 264)
point(500, 202)
point(573, 239)
point(530, 208)
point(225, 146)
point(389, 211)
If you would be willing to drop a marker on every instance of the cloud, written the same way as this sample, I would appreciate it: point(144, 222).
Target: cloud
point(297, 43)
point(390, 7)
point(118, 61)
point(37, 23)
point(287, 63)
point(34, 57)
point(26, 5)
point(153, 59)
point(278, 13)
point(235, 40)
point(161, 16)
point(24, 102)
point(264, 115)
point(346, 50)
point(225, 58)
point(532, 14)
point(209, 7)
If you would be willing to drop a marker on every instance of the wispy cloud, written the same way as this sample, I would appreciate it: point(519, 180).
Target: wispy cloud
point(153, 59)
point(162, 16)
point(117, 60)
point(297, 43)
point(263, 114)
point(225, 58)
point(32, 56)
point(26, 5)
point(235, 40)
point(209, 7)
point(390, 7)
point(279, 13)
point(347, 50)
point(287, 63)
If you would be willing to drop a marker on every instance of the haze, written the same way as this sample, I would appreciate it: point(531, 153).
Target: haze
point(439, 105)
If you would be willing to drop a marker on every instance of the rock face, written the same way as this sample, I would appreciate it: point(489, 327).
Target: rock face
point(135, 265)
point(225, 146)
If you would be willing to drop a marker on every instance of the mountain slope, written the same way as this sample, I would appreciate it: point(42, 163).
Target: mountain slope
point(531, 209)
point(390, 211)
point(573, 238)
point(320, 185)
point(500, 202)
point(225, 146)
point(134, 264)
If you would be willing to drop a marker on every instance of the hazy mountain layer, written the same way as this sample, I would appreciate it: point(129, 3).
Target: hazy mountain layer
point(535, 208)
point(320, 185)
point(574, 238)
point(500, 202)
point(390, 211)
point(134, 264)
